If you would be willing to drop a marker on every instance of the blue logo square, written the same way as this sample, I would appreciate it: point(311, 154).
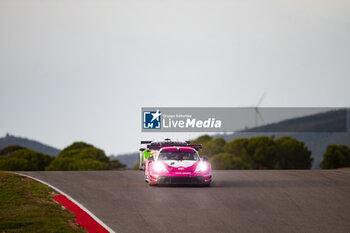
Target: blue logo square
point(152, 119)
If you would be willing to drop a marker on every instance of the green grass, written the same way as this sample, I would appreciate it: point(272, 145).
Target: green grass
point(27, 206)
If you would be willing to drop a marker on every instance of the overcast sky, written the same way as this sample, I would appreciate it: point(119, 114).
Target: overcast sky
point(82, 70)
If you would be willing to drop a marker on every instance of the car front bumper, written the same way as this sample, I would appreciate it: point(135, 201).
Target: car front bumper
point(193, 180)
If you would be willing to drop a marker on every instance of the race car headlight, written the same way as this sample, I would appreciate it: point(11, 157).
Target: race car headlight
point(159, 167)
point(202, 167)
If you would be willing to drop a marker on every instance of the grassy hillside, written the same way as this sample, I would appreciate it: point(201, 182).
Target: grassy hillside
point(27, 206)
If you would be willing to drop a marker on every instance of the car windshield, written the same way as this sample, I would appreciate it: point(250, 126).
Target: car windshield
point(178, 155)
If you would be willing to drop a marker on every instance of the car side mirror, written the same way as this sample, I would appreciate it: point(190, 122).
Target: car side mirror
point(141, 149)
point(205, 158)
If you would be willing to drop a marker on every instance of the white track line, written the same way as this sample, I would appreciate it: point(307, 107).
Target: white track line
point(71, 199)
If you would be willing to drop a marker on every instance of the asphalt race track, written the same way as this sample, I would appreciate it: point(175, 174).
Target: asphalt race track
point(238, 201)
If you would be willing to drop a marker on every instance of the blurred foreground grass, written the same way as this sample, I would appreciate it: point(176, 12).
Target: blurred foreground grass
point(27, 206)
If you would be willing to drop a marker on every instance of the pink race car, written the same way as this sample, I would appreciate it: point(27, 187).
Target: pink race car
point(178, 165)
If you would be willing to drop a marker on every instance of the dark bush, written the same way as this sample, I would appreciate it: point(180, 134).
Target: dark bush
point(25, 160)
point(256, 153)
point(336, 156)
point(83, 156)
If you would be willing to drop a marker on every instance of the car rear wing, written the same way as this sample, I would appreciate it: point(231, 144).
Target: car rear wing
point(146, 142)
point(158, 147)
point(167, 140)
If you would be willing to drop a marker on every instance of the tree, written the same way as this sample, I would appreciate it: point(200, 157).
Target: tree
point(201, 140)
point(25, 160)
point(77, 146)
point(82, 150)
point(336, 156)
point(61, 164)
point(117, 165)
point(228, 161)
point(9, 149)
point(81, 156)
point(88, 165)
point(293, 154)
point(213, 147)
point(256, 153)
point(210, 146)
point(238, 148)
point(262, 152)
point(14, 164)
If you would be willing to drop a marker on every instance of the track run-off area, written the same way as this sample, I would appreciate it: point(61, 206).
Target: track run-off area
point(237, 201)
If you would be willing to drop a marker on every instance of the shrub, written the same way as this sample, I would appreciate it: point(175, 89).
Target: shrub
point(25, 160)
point(336, 156)
point(83, 156)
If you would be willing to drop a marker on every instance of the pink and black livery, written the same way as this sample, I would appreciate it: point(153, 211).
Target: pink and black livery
point(176, 163)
